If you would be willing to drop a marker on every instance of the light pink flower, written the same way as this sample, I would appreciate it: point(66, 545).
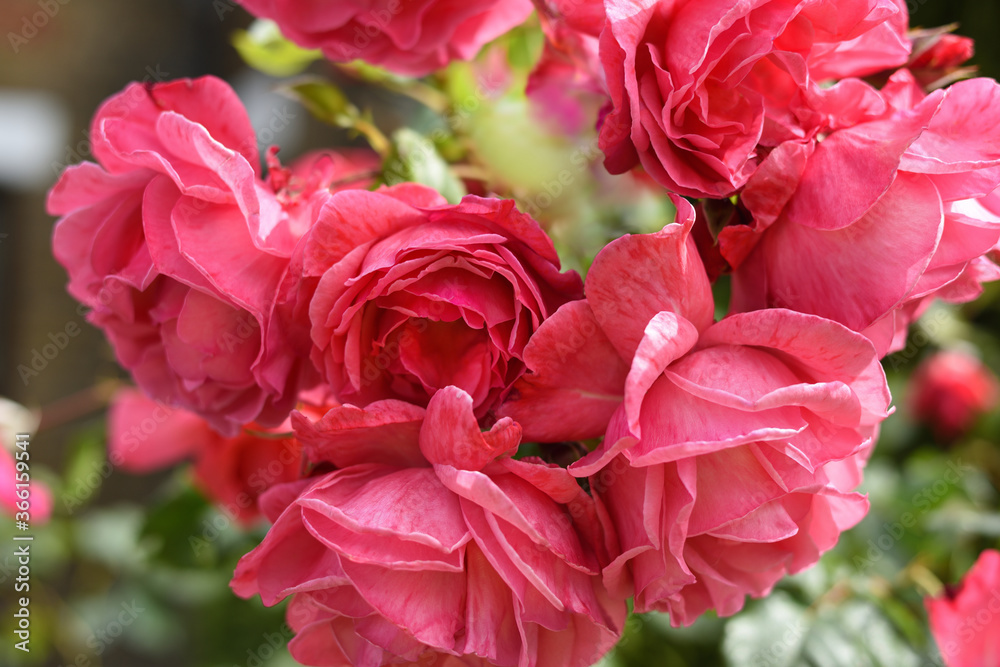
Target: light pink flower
point(869, 225)
point(178, 247)
point(701, 91)
point(950, 390)
point(966, 622)
point(732, 447)
point(429, 545)
point(407, 294)
point(33, 501)
point(411, 37)
point(145, 436)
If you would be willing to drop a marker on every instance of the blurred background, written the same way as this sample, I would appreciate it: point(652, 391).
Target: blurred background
point(133, 571)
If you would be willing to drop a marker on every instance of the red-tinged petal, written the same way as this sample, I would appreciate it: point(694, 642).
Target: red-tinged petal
point(491, 623)
point(83, 184)
point(429, 605)
point(213, 104)
point(407, 505)
point(289, 559)
point(635, 277)
point(772, 186)
point(216, 241)
point(667, 338)
point(350, 219)
point(450, 434)
point(576, 379)
point(863, 161)
point(384, 432)
point(677, 425)
point(947, 146)
point(144, 435)
point(820, 350)
point(884, 253)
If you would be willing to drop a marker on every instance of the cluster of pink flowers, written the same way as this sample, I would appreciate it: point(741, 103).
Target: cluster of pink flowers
point(361, 365)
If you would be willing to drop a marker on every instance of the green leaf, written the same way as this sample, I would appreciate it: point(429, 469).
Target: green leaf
point(86, 469)
point(780, 632)
point(415, 159)
point(264, 48)
point(329, 104)
point(324, 100)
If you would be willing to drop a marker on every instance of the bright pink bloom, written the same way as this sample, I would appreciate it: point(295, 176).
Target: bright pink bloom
point(430, 545)
point(701, 91)
point(411, 37)
point(950, 390)
point(731, 448)
point(407, 294)
point(869, 225)
point(966, 622)
point(12, 499)
point(144, 436)
point(178, 247)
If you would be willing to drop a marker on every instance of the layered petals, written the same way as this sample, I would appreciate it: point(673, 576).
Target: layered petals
point(179, 247)
point(732, 455)
point(469, 559)
point(701, 91)
point(912, 217)
point(407, 295)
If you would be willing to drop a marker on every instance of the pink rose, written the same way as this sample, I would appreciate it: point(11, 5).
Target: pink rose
point(429, 545)
point(950, 390)
point(178, 247)
point(407, 294)
point(731, 447)
point(700, 92)
point(144, 436)
point(869, 225)
point(966, 622)
point(410, 37)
